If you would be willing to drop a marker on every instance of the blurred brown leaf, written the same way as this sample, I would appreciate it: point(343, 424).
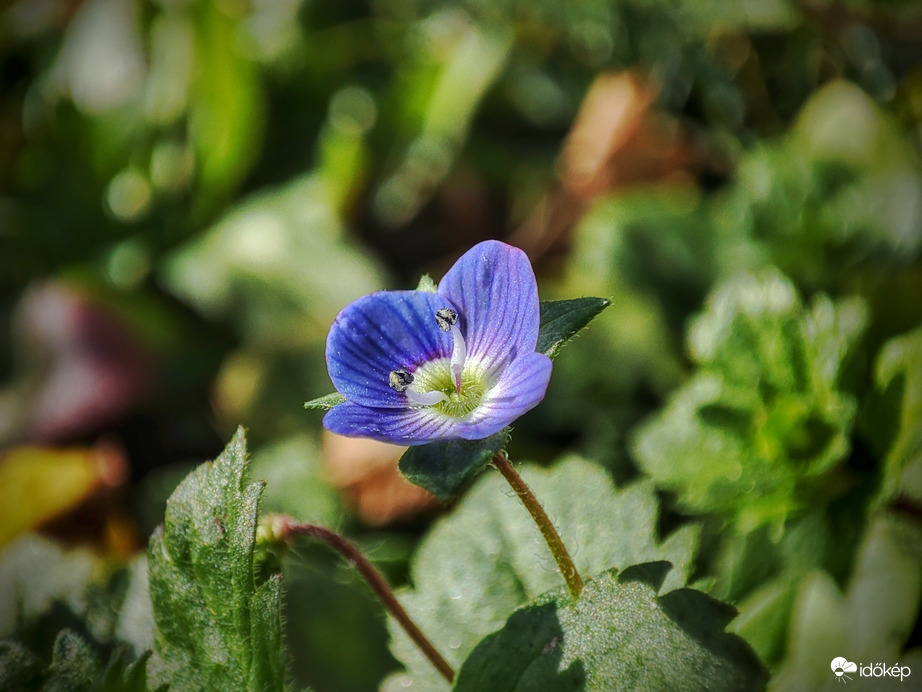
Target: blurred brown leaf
point(366, 472)
point(619, 138)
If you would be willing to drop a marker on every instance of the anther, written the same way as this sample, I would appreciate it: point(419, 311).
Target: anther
point(446, 318)
point(399, 380)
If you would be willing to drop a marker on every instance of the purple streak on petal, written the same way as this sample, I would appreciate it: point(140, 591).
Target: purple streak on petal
point(520, 388)
point(493, 288)
point(379, 333)
point(400, 426)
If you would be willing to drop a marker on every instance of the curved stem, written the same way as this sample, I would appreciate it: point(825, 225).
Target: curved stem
point(378, 584)
point(551, 537)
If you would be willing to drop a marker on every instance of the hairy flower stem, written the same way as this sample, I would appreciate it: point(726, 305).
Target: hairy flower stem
point(378, 584)
point(551, 537)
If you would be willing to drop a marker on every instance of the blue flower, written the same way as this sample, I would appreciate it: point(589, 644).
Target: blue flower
point(459, 363)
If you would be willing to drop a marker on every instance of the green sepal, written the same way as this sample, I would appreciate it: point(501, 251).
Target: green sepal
point(427, 285)
point(561, 320)
point(445, 468)
point(326, 402)
point(619, 635)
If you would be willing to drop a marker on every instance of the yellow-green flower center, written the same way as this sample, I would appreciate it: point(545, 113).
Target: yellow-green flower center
point(436, 376)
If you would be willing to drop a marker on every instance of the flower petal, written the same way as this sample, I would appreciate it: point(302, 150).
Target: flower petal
point(494, 290)
point(381, 332)
point(520, 388)
point(408, 426)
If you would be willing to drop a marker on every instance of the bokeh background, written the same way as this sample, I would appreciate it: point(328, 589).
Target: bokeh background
point(190, 190)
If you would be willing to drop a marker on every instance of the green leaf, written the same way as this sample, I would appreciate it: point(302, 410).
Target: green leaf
point(122, 675)
point(225, 113)
point(871, 621)
point(445, 468)
point(619, 635)
point(891, 417)
point(326, 402)
point(487, 558)
point(562, 319)
point(217, 615)
point(759, 432)
point(765, 616)
point(20, 669)
point(74, 666)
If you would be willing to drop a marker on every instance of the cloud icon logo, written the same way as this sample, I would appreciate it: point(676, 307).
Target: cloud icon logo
point(840, 666)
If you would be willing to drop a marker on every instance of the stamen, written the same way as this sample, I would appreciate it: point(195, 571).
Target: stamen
point(458, 355)
point(447, 319)
point(399, 380)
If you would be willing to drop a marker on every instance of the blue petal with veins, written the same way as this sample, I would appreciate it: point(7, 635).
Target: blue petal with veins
point(417, 367)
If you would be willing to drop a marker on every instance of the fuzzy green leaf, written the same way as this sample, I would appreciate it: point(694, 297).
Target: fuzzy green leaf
point(487, 558)
point(217, 615)
point(760, 429)
point(619, 635)
point(326, 402)
point(20, 669)
point(74, 666)
point(445, 468)
point(562, 319)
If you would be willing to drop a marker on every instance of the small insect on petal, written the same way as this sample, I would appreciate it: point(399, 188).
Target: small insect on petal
point(399, 380)
point(446, 318)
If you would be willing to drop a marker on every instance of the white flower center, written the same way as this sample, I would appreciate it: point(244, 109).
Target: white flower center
point(435, 384)
point(444, 383)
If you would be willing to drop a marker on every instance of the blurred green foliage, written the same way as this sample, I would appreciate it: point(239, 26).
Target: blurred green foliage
point(760, 429)
point(209, 181)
